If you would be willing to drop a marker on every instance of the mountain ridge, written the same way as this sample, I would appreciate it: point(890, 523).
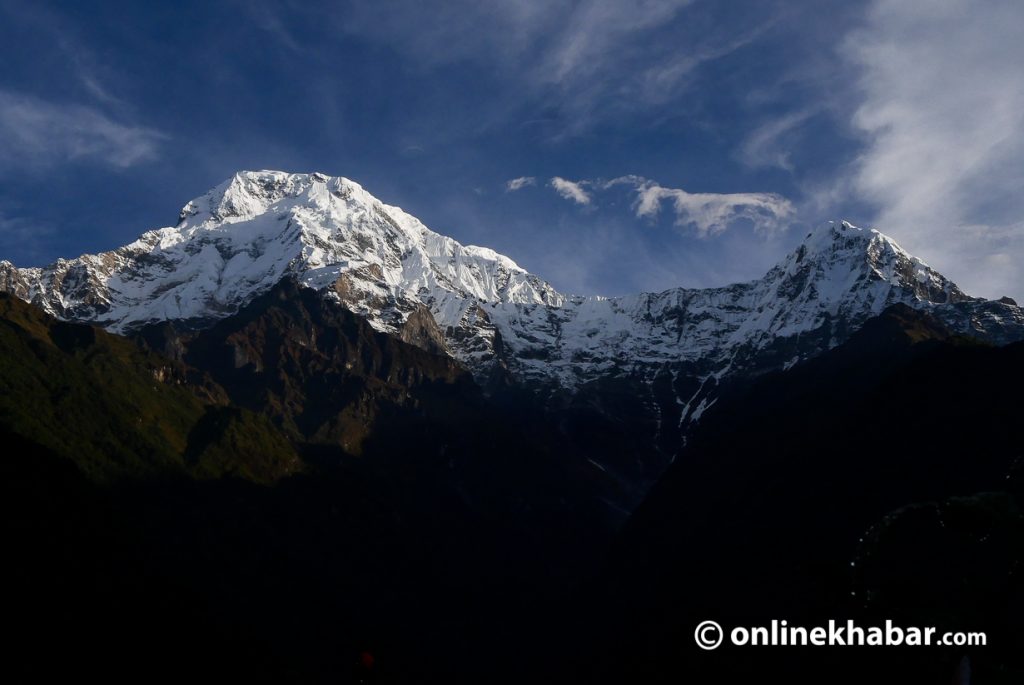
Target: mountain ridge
point(245, 235)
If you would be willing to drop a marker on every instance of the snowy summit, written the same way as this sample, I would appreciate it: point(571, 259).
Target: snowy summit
point(256, 228)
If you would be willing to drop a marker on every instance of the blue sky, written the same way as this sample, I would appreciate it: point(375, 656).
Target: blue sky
point(656, 142)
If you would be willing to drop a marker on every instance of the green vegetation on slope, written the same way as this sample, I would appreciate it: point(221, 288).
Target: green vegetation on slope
point(117, 411)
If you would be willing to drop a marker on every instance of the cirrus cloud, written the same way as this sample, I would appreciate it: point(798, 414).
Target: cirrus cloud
point(38, 134)
point(942, 116)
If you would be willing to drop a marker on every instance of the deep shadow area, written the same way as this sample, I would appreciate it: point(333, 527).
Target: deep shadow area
point(183, 579)
point(879, 481)
point(291, 496)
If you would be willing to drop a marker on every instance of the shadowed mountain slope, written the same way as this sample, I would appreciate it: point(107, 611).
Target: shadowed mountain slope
point(871, 482)
point(117, 411)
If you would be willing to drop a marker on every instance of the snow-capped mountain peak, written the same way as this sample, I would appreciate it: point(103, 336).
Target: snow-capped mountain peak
point(246, 234)
point(838, 260)
point(242, 237)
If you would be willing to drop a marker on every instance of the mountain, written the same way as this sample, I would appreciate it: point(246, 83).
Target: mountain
point(292, 383)
point(299, 437)
point(413, 519)
point(322, 373)
point(339, 390)
point(878, 481)
point(636, 372)
point(240, 239)
point(248, 233)
point(275, 495)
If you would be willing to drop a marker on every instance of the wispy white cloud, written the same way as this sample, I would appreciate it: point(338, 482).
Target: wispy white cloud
point(519, 183)
point(673, 72)
point(38, 134)
point(708, 213)
point(574, 63)
point(89, 75)
point(770, 144)
point(571, 190)
point(595, 28)
point(942, 114)
point(435, 34)
point(616, 58)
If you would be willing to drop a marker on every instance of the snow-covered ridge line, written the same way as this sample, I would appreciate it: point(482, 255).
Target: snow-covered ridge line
point(249, 232)
point(256, 228)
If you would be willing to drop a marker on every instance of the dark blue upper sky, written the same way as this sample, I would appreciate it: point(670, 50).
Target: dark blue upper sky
point(693, 142)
